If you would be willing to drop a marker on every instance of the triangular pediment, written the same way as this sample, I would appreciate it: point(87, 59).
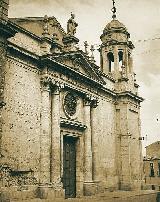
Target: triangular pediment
point(78, 62)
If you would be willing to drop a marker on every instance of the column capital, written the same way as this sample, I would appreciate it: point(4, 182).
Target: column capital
point(90, 101)
point(57, 87)
point(50, 84)
point(46, 82)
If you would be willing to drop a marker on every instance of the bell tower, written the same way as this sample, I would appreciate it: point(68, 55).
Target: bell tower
point(116, 49)
point(116, 62)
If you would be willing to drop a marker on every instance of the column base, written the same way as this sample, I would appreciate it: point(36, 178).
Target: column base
point(50, 192)
point(125, 186)
point(90, 188)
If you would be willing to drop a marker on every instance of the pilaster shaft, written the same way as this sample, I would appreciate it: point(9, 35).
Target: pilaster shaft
point(55, 138)
point(45, 141)
point(126, 61)
point(116, 62)
point(88, 142)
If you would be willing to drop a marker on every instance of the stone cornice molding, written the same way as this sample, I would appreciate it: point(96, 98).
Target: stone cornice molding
point(6, 30)
point(22, 51)
point(72, 124)
point(130, 95)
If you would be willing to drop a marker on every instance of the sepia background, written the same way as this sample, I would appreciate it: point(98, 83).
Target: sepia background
point(142, 20)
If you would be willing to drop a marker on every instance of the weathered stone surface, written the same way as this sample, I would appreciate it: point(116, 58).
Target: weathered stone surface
point(50, 95)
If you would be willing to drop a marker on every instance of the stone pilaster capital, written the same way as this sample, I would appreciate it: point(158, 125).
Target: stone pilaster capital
point(57, 87)
point(90, 101)
point(46, 82)
point(95, 102)
point(50, 84)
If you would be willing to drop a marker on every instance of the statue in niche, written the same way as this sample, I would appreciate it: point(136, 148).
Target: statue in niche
point(71, 25)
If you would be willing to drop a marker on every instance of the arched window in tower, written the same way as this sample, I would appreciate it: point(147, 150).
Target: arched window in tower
point(110, 57)
point(120, 55)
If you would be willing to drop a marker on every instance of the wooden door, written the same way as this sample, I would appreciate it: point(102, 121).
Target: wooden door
point(69, 166)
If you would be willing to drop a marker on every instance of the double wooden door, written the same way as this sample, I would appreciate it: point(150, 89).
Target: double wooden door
point(69, 166)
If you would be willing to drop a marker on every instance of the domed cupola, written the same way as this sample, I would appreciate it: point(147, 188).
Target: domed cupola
point(116, 48)
point(113, 31)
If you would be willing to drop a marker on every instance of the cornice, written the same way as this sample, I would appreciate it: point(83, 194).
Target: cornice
point(68, 70)
point(72, 124)
point(6, 30)
point(17, 28)
point(97, 75)
point(21, 51)
point(130, 95)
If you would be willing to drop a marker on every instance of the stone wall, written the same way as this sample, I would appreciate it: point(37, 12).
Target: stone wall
point(104, 145)
point(21, 126)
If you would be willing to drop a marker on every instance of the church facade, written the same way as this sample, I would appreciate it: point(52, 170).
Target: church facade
point(68, 127)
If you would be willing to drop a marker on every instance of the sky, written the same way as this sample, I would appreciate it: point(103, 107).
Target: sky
point(141, 18)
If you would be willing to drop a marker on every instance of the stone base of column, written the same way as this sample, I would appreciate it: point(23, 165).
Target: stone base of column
point(50, 192)
point(125, 186)
point(90, 188)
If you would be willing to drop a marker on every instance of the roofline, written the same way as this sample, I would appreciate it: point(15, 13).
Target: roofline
point(153, 143)
point(38, 18)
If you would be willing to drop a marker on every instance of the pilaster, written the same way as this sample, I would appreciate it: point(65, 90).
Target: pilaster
point(89, 185)
point(116, 62)
point(45, 140)
point(56, 138)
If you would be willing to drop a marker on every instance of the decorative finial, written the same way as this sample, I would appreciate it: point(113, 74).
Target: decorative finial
point(114, 10)
point(86, 47)
point(92, 53)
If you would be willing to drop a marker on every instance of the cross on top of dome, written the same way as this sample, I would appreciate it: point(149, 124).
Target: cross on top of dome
point(114, 10)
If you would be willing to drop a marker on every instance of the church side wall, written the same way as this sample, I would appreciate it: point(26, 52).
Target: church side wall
point(104, 145)
point(21, 127)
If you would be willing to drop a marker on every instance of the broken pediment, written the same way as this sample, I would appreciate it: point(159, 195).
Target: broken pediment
point(79, 62)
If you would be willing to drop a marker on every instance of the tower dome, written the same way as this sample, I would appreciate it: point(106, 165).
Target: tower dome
point(115, 30)
point(116, 48)
point(114, 24)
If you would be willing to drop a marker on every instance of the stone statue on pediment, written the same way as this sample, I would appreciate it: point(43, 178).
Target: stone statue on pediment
point(71, 25)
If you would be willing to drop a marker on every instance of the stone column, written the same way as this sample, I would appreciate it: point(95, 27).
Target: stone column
point(130, 64)
point(88, 140)
point(95, 172)
point(89, 186)
point(45, 139)
point(56, 138)
point(126, 60)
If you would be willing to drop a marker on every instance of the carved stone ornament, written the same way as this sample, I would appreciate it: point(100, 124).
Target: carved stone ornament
point(70, 104)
